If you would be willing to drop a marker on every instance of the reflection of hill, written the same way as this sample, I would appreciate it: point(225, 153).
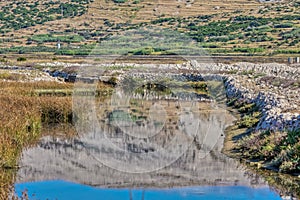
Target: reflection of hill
point(80, 160)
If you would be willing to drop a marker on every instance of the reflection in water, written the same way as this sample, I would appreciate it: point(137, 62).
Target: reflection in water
point(77, 160)
point(65, 190)
point(184, 150)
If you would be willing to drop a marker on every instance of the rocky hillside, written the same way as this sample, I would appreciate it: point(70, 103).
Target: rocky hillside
point(237, 27)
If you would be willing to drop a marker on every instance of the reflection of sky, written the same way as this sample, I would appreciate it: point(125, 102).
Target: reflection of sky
point(62, 190)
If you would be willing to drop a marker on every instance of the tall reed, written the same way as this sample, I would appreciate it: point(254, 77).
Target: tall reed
point(22, 115)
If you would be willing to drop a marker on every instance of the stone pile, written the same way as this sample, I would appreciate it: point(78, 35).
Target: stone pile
point(269, 69)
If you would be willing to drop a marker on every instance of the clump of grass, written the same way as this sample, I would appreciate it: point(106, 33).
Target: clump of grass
point(247, 108)
point(245, 72)
point(19, 127)
point(249, 120)
point(7, 179)
point(56, 110)
point(11, 76)
point(258, 75)
point(20, 59)
point(4, 75)
point(251, 114)
point(278, 150)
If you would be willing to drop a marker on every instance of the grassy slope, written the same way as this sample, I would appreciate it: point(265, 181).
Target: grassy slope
point(102, 17)
point(265, 152)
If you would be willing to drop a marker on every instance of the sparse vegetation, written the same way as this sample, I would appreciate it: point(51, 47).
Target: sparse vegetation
point(236, 32)
point(278, 150)
point(28, 27)
point(52, 38)
point(273, 150)
point(18, 15)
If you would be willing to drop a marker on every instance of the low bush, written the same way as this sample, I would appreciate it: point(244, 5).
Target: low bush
point(21, 59)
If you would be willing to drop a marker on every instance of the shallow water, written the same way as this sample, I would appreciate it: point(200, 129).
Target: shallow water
point(131, 142)
point(66, 190)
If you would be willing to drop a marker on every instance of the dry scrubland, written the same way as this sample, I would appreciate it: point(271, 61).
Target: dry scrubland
point(232, 27)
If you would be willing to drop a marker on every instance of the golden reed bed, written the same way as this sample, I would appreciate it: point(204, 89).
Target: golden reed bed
point(22, 116)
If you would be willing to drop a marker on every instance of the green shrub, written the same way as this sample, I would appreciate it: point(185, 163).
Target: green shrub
point(284, 25)
point(145, 51)
point(20, 59)
point(119, 1)
point(248, 121)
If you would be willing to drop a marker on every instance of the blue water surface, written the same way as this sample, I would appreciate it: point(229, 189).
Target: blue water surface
point(62, 190)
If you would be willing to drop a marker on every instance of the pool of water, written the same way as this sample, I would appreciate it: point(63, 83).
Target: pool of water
point(185, 152)
point(67, 190)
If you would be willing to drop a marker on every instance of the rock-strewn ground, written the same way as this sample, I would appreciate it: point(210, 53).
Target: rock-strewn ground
point(23, 74)
point(274, 88)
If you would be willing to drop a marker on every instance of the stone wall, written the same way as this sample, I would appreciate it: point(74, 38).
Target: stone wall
point(270, 104)
point(279, 110)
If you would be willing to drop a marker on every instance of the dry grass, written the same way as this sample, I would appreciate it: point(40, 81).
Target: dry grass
point(25, 117)
point(144, 11)
point(22, 116)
